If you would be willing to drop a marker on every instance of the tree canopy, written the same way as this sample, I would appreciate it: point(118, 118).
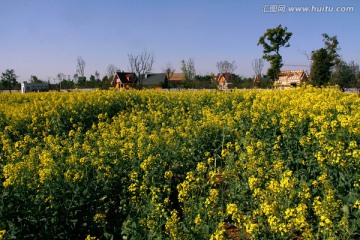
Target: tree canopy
point(323, 60)
point(188, 69)
point(345, 75)
point(8, 79)
point(141, 64)
point(272, 40)
point(226, 66)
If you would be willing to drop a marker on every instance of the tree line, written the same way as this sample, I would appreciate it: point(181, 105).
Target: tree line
point(327, 68)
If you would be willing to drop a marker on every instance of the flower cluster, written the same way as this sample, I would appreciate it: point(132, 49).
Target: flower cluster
point(180, 165)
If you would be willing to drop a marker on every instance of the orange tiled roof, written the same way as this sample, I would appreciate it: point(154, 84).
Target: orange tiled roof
point(223, 77)
point(291, 74)
point(177, 77)
point(288, 77)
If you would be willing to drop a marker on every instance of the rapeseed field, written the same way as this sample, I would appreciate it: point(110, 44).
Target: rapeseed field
point(180, 165)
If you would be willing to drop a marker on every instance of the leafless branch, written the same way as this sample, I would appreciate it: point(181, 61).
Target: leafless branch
point(308, 56)
point(169, 70)
point(81, 66)
point(226, 66)
point(141, 64)
point(111, 70)
point(188, 69)
point(257, 65)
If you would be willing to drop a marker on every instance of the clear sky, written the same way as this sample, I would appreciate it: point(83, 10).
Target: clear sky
point(45, 37)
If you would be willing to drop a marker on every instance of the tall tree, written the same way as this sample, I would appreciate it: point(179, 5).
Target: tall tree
point(323, 60)
point(9, 79)
point(332, 48)
point(320, 68)
point(345, 74)
point(141, 64)
point(81, 66)
point(272, 41)
point(258, 65)
point(188, 69)
point(226, 66)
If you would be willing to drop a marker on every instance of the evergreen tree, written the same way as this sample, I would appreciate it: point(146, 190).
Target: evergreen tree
point(320, 68)
point(323, 60)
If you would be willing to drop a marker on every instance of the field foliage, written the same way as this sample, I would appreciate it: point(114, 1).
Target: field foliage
point(180, 165)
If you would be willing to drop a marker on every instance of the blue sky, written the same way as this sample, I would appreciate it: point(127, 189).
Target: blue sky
point(45, 37)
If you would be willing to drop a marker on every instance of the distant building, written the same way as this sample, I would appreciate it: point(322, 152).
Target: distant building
point(223, 80)
point(34, 87)
point(291, 78)
point(257, 79)
point(155, 80)
point(124, 80)
point(176, 79)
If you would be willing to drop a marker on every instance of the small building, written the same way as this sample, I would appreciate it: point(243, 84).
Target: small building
point(155, 80)
point(291, 78)
point(257, 79)
point(34, 87)
point(176, 79)
point(123, 80)
point(223, 79)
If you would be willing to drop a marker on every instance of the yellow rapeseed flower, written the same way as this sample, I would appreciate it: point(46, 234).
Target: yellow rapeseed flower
point(2, 234)
point(231, 208)
point(168, 175)
point(198, 220)
point(201, 167)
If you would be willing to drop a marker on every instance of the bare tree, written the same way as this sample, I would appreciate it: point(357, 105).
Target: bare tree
point(226, 66)
point(257, 65)
point(188, 69)
point(169, 70)
point(111, 71)
point(81, 66)
point(141, 64)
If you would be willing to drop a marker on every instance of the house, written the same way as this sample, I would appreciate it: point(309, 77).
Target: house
point(123, 80)
point(260, 81)
point(176, 79)
point(223, 80)
point(155, 80)
point(34, 87)
point(257, 79)
point(288, 78)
